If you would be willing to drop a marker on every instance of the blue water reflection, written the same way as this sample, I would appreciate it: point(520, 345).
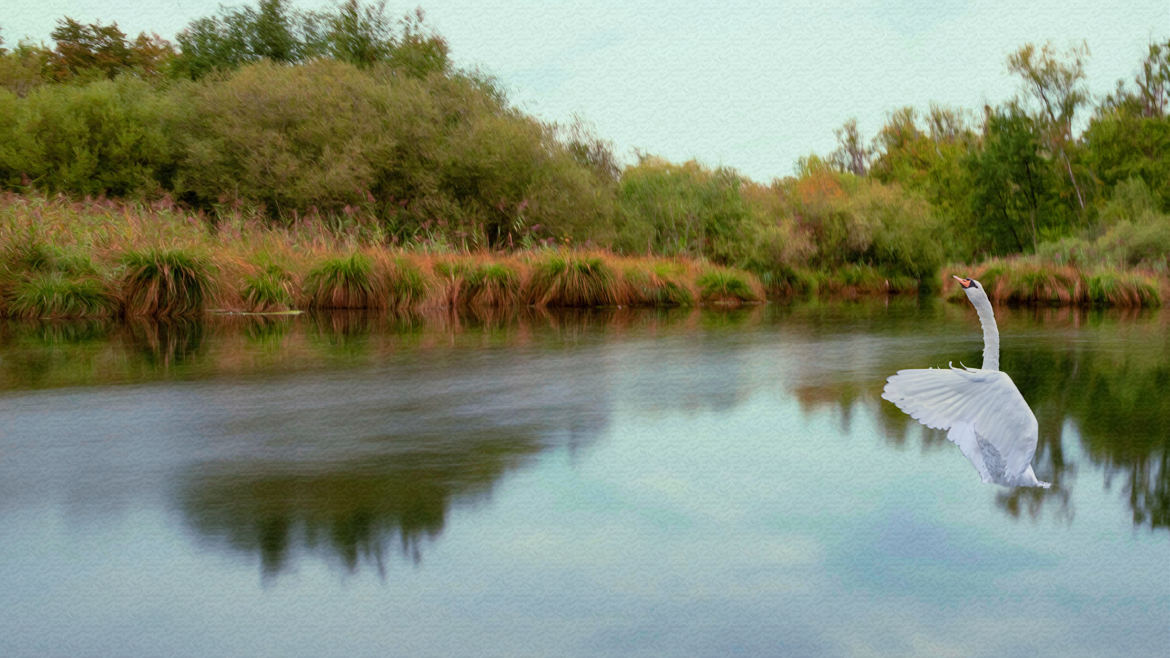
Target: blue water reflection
point(650, 483)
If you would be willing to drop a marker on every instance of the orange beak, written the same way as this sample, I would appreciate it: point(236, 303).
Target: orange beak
point(966, 283)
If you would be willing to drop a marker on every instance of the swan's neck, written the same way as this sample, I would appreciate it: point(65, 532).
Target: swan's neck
point(990, 334)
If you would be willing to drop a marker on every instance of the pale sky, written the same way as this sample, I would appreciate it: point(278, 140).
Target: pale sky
point(750, 85)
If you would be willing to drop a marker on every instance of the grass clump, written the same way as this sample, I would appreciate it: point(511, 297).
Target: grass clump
point(164, 283)
point(270, 290)
point(405, 284)
point(344, 283)
point(491, 285)
point(726, 286)
point(658, 284)
point(572, 280)
point(54, 295)
point(1110, 287)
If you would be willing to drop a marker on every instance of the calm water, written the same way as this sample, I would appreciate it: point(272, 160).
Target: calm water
point(607, 483)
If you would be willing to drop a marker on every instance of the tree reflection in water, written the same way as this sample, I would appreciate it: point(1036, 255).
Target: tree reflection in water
point(351, 510)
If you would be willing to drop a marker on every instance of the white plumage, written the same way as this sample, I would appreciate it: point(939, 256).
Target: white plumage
point(980, 408)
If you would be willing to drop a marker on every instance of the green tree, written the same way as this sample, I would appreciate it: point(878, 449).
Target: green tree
point(1012, 198)
point(685, 209)
point(356, 33)
point(1056, 89)
point(1129, 136)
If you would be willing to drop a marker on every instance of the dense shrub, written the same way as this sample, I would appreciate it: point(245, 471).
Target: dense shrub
point(686, 209)
point(102, 138)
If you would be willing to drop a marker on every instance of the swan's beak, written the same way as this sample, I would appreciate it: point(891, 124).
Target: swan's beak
point(966, 283)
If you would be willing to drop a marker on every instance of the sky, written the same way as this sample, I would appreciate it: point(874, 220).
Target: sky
point(748, 85)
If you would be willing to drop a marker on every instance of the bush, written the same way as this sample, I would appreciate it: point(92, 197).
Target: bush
point(405, 284)
point(671, 209)
point(102, 138)
point(491, 285)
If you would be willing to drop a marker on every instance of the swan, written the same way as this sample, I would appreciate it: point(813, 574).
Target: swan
point(980, 408)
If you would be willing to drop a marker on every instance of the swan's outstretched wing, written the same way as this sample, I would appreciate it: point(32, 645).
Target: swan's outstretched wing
point(982, 410)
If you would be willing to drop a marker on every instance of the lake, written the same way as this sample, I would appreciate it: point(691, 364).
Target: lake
point(581, 483)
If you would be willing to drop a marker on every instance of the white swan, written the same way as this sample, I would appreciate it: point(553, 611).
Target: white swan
point(981, 408)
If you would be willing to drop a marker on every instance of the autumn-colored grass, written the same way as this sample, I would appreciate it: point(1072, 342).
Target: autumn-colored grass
point(164, 283)
point(1026, 281)
point(156, 260)
point(345, 282)
point(572, 280)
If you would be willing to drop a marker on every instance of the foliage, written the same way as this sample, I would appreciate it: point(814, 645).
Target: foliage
point(566, 279)
point(269, 290)
point(359, 34)
point(726, 285)
point(164, 283)
point(1013, 204)
point(344, 283)
point(56, 295)
point(95, 50)
point(1056, 88)
point(106, 137)
point(671, 210)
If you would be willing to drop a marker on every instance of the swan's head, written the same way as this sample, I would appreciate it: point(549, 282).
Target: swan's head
point(974, 291)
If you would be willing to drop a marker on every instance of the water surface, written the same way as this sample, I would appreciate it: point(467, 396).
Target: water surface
point(682, 482)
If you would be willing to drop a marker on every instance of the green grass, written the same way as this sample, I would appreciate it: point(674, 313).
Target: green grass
point(491, 285)
point(1109, 287)
point(658, 284)
point(406, 285)
point(54, 295)
point(725, 285)
point(270, 290)
point(344, 283)
point(572, 281)
point(35, 256)
point(164, 283)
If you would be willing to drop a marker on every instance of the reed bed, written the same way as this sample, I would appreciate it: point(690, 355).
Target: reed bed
point(96, 257)
point(1026, 281)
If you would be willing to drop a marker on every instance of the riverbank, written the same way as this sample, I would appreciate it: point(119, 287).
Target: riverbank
point(62, 258)
point(99, 258)
point(1029, 280)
